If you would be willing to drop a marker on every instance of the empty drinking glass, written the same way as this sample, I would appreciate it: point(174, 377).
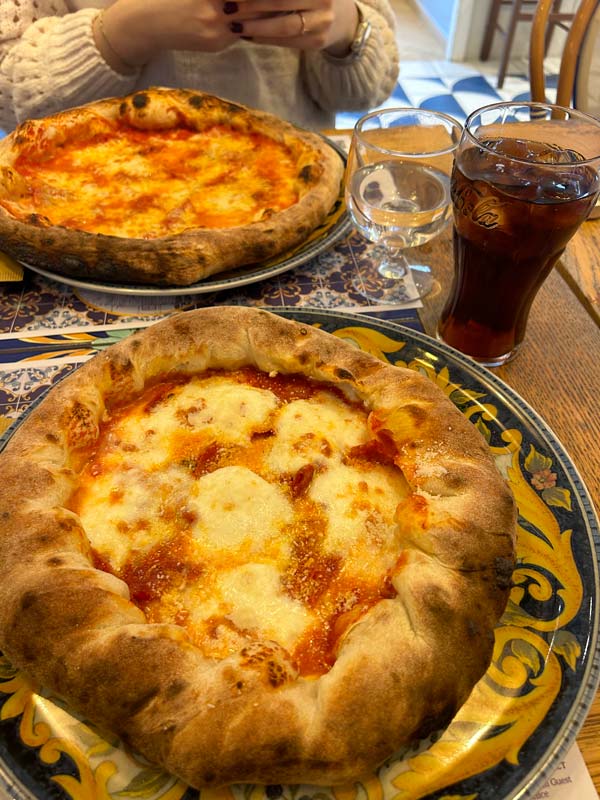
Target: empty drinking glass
point(398, 191)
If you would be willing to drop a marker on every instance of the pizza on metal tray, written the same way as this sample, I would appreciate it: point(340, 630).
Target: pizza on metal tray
point(163, 187)
point(253, 551)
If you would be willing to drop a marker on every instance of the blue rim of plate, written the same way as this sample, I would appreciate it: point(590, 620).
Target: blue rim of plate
point(232, 279)
point(556, 733)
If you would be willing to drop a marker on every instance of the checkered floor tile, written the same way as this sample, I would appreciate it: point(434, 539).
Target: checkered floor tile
point(456, 89)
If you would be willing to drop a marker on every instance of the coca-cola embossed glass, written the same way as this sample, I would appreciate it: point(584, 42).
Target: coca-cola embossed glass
point(525, 176)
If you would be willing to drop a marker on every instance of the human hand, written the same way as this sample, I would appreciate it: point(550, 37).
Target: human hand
point(136, 30)
point(303, 24)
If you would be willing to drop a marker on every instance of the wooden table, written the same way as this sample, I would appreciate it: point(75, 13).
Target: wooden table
point(580, 267)
point(557, 372)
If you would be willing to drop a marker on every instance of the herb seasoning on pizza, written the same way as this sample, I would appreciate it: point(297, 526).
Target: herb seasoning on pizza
point(165, 186)
point(253, 551)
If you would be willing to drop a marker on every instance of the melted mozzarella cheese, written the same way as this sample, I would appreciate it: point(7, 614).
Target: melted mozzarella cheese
point(363, 508)
point(232, 413)
point(129, 510)
point(315, 431)
point(229, 413)
point(244, 512)
point(258, 604)
point(238, 509)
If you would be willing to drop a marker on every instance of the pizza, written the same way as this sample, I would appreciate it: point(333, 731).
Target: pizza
point(162, 187)
point(253, 551)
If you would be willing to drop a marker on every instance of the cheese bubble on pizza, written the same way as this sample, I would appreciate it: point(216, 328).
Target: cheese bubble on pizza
point(162, 187)
point(253, 551)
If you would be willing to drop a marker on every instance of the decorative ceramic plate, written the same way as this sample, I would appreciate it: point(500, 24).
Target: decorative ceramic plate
point(521, 716)
point(336, 225)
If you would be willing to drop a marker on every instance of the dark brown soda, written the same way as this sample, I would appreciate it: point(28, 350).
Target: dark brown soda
point(512, 221)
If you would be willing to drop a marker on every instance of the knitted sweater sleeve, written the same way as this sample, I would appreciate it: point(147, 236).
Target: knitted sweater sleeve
point(49, 61)
point(367, 81)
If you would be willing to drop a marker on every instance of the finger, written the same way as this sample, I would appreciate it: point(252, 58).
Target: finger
point(275, 8)
point(289, 26)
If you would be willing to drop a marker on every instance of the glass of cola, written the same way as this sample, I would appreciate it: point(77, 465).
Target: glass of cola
point(525, 176)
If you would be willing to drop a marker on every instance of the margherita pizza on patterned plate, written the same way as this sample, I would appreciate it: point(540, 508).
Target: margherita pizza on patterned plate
point(253, 551)
point(165, 186)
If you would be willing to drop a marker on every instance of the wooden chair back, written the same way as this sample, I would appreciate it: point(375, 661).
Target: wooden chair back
point(568, 63)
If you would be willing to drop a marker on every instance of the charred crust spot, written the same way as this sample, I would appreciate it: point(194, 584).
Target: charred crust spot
point(28, 600)
point(260, 252)
point(52, 438)
point(303, 331)
point(123, 108)
point(55, 561)
point(277, 675)
point(36, 219)
point(473, 629)
point(417, 414)
point(343, 374)
point(209, 777)
point(5, 515)
point(29, 652)
point(81, 417)
point(305, 173)
point(303, 358)
point(196, 101)
point(175, 688)
point(47, 241)
point(256, 655)
point(504, 569)
point(231, 108)
point(239, 685)
point(123, 368)
point(140, 100)
point(454, 481)
point(66, 524)
point(182, 328)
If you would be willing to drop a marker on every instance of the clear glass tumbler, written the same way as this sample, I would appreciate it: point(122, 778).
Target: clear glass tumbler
point(398, 192)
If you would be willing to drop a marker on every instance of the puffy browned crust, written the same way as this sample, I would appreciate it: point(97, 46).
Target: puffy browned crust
point(180, 259)
point(402, 670)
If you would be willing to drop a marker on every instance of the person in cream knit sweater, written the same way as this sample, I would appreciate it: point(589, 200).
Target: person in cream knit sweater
point(300, 59)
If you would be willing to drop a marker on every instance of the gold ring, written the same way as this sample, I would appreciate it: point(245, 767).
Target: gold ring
point(302, 23)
